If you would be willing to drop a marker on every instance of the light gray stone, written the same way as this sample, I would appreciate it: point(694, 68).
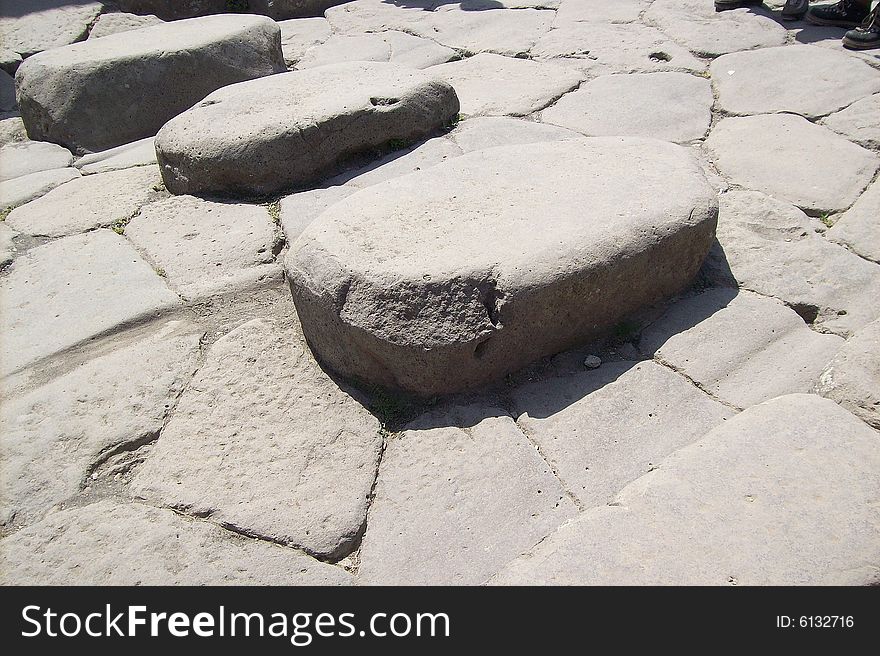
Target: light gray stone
point(484, 132)
point(392, 46)
point(19, 191)
point(300, 34)
point(852, 378)
point(55, 435)
point(111, 543)
point(137, 153)
point(9, 60)
point(26, 157)
point(302, 126)
point(362, 16)
point(602, 429)
point(114, 23)
point(773, 80)
point(788, 157)
point(62, 293)
point(299, 210)
point(782, 494)
point(741, 347)
point(599, 11)
point(7, 247)
point(12, 131)
point(859, 227)
point(88, 202)
point(46, 23)
point(670, 106)
point(7, 92)
point(860, 122)
point(521, 252)
point(492, 85)
point(416, 158)
point(460, 492)
point(265, 442)
point(101, 93)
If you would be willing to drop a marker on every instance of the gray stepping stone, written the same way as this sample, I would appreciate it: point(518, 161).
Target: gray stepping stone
point(62, 90)
point(300, 34)
point(301, 127)
point(26, 157)
point(860, 122)
point(859, 228)
point(599, 11)
point(670, 106)
point(265, 442)
point(46, 24)
point(788, 157)
point(113, 543)
point(19, 191)
point(493, 85)
point(782, 494)
point(602, 429)
point(521, 252)
point(55, 435)
point(67, 291)
point(742, 348)
point(392, 46)
point(773, 80)
point(484, 132)
point(137, 153)
point(114, 23)
point(460, 492)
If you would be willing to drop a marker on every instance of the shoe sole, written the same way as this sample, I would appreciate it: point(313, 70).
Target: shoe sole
point(860, 45)
point(831, 23)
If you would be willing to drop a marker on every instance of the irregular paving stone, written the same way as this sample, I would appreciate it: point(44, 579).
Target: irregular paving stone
point(88, 202)
point(7, 247)
point(748, 504)
point(771, 247)
point(46, 23)
point(602, 429)
point(204, 247)
point(393, 46)
point(300, 34)
point(453, 505)
point(740, 347)
point(859, 228)
point(487, 132)
point(378, 16)
point(788, 157)
point(62, 91)
point(773, 80)
point(59, 294)
point(12, 131)
point(7, 93)
point(28, 157)
point(481, 292)
point(860, 122)
point(137, 153)
point(108, 24)
point(301, 126)
point(55, 435)
point(20, 190)
point(852, 378)
point(489, 84)
point(9, 60)
point(671, 106)
point(111, 543)
point(299, 210)
point(697, 26)
point(493, 30)
point(265, 442)
point(422, 156)
point(172, 10)
point(599, 11)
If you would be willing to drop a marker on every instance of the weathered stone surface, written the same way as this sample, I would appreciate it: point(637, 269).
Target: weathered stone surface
point(788, 157)
point(114, 23)
point(7, 93)
point(852, 378)
point(299, 210)
point(301, 126)
point(599, 11)
point(493, 85)
point(483, 291)
point(740, 347)
point(377, 16)
point(748, 504)
point(9, 60)
point(774, 79)
point(7, 247)
point(392, 46)
point(204, 247)
point(110, 543)
point(69, 290)
point(173, 9)
point(12, 131)
point(602, 429)
point(20, 190)
point(88, 202)
point(416, 158)
point(137, 153)
point(300, 34)
point(67, 94)
point(489, 131)
point(26, 157)
point(859, 228)
point(859, 122)
point(670, 106)
point(55, 435)
point(460, 492)
point(696, 25)
point(45, 23)
point(264, 441)
point(771, 247)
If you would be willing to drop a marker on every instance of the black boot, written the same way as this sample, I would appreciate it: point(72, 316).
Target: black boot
point(867, 35)
point(845, 13)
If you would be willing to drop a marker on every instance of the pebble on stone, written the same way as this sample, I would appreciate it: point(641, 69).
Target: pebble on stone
point(860, 122)
point(392, 46)
point(19, 191)
point(114, 23)
point(137, 153)
point(859, 228)
point(28, 157)
point(47, 24)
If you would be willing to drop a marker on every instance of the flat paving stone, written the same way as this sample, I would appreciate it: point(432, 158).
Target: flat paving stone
point(113, 543)
point(858, 228)
point(741, 347)
point(47, 24)
point(300, 34)
point(771, 80)
point(416, 158)
point(205, 247)
point(12, 131)
point(483, 132)
point(493, 85)
point(299, 210)
point(669, 106)
point(7, 247)
point(500, 31)
point(19, 191)
point(60, 294)
point(28, 157)
point(55, 435)
point(392, 46)
point(88, 202)
point(860, 122)
point(599, 11)
point(265, 442)
point(362, 16)
point(116, 22)
point(788, 157)
point(137, 153)
point(460, 492)
point(752, 503)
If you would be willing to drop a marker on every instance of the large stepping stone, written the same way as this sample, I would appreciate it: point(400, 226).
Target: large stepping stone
point(114, 23)
point(68, 95)
point(858, 228)
point(113, 543)
point(287, 131)
point(860, 122)
point(461, 492)
point(265, 442)
point(773, 80)
point(788, 157)
point(392, 46)
point(172, 10)
point(45, 24)
point(28, 157)
point(456, 275)
point(782, 494)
